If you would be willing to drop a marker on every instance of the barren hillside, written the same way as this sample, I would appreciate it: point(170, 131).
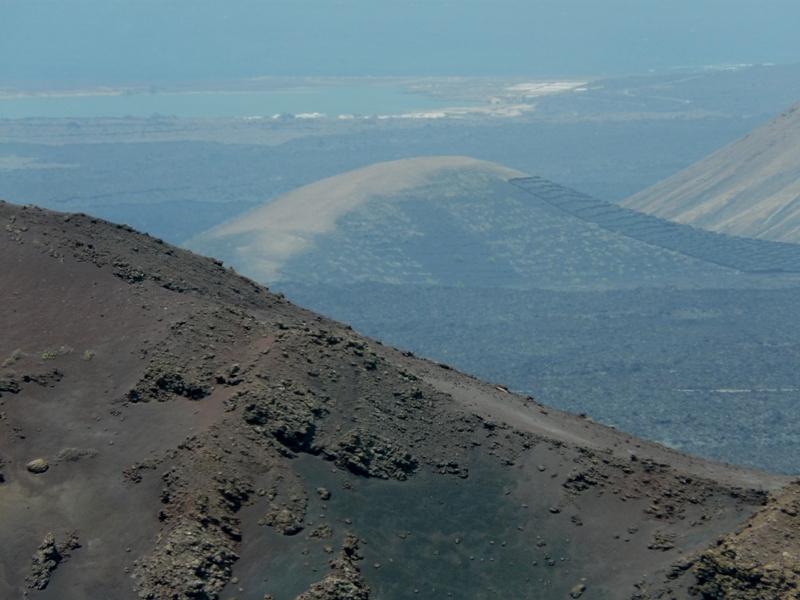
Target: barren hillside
point(173, 430)
point(748, 188)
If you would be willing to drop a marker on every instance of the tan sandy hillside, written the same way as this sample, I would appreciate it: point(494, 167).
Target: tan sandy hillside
point(749, 188)
point(269, 235)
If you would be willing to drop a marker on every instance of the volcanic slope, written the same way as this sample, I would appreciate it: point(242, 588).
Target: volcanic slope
point(461, 222)
point(748, 188)
point(172, 430)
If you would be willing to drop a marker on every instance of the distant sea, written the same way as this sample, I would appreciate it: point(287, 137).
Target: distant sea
point(307, 101)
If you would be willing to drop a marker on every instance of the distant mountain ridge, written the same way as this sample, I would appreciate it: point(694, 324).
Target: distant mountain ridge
point(743, 254)
point(748, 188)
point(272, 234)
point(462, 222)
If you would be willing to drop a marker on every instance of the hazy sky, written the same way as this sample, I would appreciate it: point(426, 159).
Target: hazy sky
point(90, 41)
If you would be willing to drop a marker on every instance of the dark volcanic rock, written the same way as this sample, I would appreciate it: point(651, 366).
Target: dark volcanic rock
point(371, 455)
point(345, 581)
point(8, 385)
point(164, 381)
point(759, 562)
point(288, 415)
point(48, 557)
point(194, 561)
point(199, 543)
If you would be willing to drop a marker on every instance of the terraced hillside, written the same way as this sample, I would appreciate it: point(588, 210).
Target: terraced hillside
point(743, 254)
point(456, 221)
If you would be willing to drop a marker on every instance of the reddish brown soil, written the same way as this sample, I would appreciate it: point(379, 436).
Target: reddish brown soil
point(203, 438)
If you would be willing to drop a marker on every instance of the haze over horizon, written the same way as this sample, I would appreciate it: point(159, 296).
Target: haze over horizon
point(89, 42)
point(344, 300)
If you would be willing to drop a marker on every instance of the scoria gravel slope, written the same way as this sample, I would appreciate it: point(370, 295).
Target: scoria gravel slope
point(169, 429)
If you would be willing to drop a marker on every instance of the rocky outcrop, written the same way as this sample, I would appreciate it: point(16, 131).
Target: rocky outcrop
point(164, 380)
point(287, 511)
point(759, 562)
point(8, 385)
point(288, 414)
point(344, 581)
point(194, 560)
point(48, 557)
point(195, 552)
point(370, 455)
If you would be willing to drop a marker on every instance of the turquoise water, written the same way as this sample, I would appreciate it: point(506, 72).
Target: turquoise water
point(362, 99)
